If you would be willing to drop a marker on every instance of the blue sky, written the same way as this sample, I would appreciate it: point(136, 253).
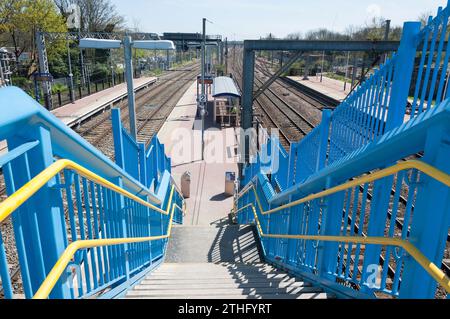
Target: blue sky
point(250, 19)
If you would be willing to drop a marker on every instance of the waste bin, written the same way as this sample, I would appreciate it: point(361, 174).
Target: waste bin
point(186, 184)
point(230, 179)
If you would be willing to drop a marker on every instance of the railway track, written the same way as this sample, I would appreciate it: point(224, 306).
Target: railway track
point(278, 113)
point(152, 109)
point(306, 95)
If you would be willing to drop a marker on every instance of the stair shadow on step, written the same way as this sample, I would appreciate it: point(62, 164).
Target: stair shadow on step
point(221, 222)
point(260, 282)
point(235, 244)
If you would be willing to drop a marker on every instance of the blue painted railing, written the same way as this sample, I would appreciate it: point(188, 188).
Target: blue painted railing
point(431, 82)
point(72, 207)
point(412, 81)
point(376, 116)
point(367, 209)
point(145, 164)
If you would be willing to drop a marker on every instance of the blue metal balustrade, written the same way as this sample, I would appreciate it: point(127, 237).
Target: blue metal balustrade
point(412, 81)
point(73, 207)
point(400, 112)
point(369, 269)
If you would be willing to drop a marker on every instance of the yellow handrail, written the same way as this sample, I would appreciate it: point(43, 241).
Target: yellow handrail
point(10, 204)
point(412, 164)
point(57, 270)
point(420, 258)
point(423, 261)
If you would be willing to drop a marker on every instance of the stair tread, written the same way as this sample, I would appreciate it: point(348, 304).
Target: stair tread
point(236, 296)
point(216, 275)
point(219, 273)
point(219, 279)
point(227, 269)
point(225, 291)
point(223, 285)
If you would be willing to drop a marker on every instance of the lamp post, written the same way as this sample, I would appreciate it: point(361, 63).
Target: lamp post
point(72, 97)
point(128, 44)
point(203, 100)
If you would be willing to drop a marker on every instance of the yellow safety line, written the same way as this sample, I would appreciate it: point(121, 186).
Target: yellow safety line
point(57, 270)
point(412, 164)
point(420, 258)
point(10, 204)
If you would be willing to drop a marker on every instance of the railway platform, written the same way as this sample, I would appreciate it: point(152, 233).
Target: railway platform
point(329, 87)
point(74, 113)
point(208, 203)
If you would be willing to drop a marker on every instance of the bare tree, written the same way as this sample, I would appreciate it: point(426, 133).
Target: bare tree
point(325, 34)
point(96, 15)
point(423, 18)
point(295, 36)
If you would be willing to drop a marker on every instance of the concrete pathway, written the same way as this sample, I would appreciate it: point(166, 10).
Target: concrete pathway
point(331, 87)
point(182, 136)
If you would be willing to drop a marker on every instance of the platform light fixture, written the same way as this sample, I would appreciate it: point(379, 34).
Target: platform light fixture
point(204, 96)
point(128, 44)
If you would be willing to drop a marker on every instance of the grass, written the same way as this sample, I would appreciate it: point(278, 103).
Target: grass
point(59, 87)
point(337, 77)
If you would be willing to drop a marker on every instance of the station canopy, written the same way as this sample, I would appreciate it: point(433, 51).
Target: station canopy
point(225, 87)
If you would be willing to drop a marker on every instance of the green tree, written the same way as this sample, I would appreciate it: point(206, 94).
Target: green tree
point(21, 19)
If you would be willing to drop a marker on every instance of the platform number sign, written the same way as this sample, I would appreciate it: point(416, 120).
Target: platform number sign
point(202, 98)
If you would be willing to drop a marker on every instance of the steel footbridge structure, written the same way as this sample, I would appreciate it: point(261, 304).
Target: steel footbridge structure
point(359, 208)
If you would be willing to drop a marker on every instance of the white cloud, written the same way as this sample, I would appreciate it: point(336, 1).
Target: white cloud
point(373, 10)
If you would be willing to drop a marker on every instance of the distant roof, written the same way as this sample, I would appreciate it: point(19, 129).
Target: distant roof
point(225, 86)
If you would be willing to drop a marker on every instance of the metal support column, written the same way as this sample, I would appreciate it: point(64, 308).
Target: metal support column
point(168, 59)
point(71, 86)
point(82, 69)
point(113, 76)
point(127, 44)
point(203, 104)
point(43, 68)
point(226, 56)
point(247, 103)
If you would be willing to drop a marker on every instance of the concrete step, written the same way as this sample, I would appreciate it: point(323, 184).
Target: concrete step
point(222, 285)
point(223, 281)
point(206, 244)
point(195, 266)
point(216, 276)
point(217, 271)
point(219, 290)
point(243, 280)
point(258, 296)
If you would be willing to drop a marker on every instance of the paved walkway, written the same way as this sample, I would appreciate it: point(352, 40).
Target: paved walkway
point(331, 87)
point(73, 113)
point(207, 205)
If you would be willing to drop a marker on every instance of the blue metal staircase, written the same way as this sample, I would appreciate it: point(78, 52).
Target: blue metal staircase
point(362, 202)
